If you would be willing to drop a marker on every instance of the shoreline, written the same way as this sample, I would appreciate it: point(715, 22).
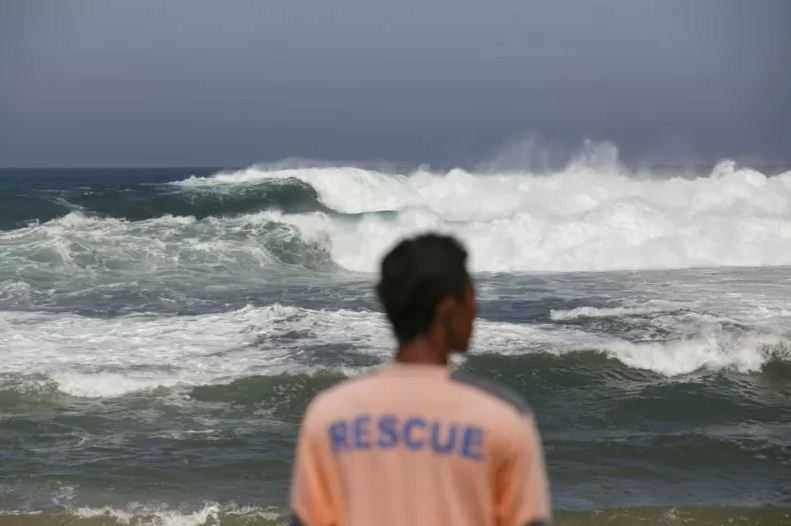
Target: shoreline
point(214, 515)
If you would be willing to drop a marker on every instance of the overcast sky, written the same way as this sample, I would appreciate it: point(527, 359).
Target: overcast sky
point(444, 82)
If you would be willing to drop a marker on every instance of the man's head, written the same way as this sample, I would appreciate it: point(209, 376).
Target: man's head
point(426, 291)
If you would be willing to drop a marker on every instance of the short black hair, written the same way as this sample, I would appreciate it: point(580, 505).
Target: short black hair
point(415, 276)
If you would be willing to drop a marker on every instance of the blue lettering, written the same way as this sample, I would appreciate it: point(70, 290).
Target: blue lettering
point(436, 438)
point(411, 441)
point(415, 433)
point(361, 432)
point(388, 435)
point(338, 435)
point(472, 443)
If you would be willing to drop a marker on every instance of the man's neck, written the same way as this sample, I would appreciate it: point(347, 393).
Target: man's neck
point(423, 351)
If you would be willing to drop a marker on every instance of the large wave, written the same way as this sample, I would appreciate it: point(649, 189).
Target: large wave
point(579, 219)
point(79, 246)
point(590, 216)
point(141, 201)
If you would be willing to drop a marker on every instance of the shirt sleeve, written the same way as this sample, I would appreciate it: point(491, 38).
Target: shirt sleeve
point(312, 499)
point(522, 488)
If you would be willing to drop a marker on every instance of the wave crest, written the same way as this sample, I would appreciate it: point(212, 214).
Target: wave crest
point(79, 245)
point(594, 215)
point(582, 218)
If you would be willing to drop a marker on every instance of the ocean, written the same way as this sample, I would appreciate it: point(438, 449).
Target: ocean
point(162, 330)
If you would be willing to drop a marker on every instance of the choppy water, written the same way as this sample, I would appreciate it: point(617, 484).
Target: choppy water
point(161, 332)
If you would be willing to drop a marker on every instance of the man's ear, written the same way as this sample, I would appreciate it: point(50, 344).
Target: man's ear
point(445, 309)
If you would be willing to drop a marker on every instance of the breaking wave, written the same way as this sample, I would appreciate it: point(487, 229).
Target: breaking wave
point(145, 201)
point(587, 217)
point(100, 357)
point(582, 218)
point(80, 245)
point(607, 312)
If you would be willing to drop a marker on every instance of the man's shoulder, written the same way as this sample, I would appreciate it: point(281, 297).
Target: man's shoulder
point(495, 393)
point(339, 396)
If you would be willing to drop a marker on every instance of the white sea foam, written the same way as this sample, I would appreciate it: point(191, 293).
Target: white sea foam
point(15, 291)
point(78, 252)
point(209, 514)
point(586, 217)
point(604, 312)
point(78, 242)
point(710, 347)
point(97, 357)
point(710, 350)
point(361, 190)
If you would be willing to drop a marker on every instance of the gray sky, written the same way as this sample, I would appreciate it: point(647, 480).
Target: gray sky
point(445, 82)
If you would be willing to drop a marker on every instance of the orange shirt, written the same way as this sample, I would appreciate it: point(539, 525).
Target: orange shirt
point(416, 445)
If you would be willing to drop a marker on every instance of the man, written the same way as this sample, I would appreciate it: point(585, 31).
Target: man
point(412, 444)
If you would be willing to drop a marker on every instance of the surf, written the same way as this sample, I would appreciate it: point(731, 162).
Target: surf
point(588, 216)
